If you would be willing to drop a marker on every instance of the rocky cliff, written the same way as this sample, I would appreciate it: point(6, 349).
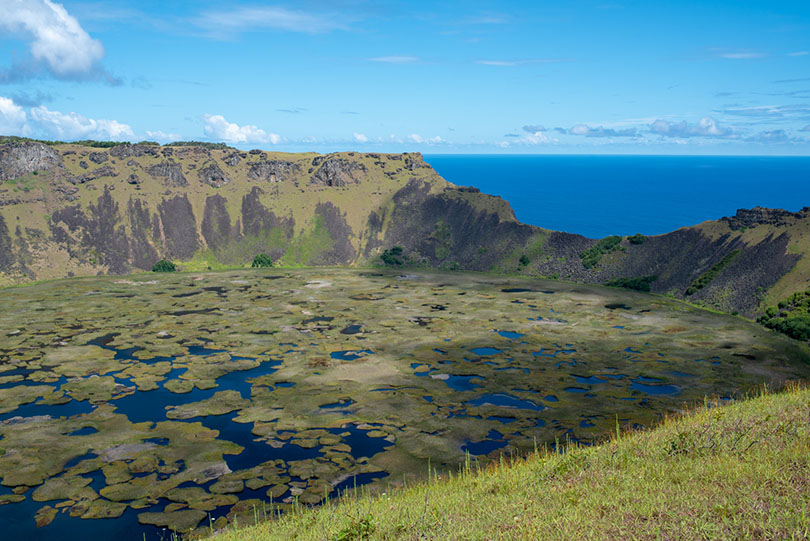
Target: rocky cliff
point(69, 209)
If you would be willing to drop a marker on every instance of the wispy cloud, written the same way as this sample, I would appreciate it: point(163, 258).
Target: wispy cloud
point(292, 110)
point(490, 18)
point(799, 53)
point(533, 128)
point(741, 55)
point(31, 99)
point(806, 128)
point(523, 61)
point(360, 137)
point(771, 136)
point(394, 59)
point(227, 23)
point(706, 127)
point(770, 112)
point(600, 131)
point(58, 45)
point(797, 80)
point(216, 127)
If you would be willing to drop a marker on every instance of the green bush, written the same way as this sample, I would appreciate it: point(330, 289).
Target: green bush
point(261, 260)
point(524, 260)
point(641, 283)
point(164, 266)
point(638, 238)
point(791, 316)
point(706, 278)
point(592, 256)
point(393, 257)
point(203, 144)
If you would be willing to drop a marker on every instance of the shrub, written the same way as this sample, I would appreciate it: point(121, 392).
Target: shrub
point(706, 278)
point(638, 238)
point(791, 316)
point(592, 256)
point(203, 144)
point(524, 260)
point(641, 283)
point(164, 266)
point(261, 260)
point(393, 257)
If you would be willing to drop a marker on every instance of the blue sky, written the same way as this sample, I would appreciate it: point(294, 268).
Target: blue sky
point(625, 77)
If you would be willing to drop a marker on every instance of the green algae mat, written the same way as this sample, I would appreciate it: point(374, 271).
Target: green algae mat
point(187, 401)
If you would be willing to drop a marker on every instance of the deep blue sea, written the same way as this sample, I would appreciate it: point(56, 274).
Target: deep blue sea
point(598, 196)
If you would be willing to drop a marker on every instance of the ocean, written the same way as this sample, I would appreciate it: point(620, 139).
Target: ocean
point(598, 196)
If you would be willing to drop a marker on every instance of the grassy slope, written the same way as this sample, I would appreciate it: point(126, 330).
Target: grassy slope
point(740, 471)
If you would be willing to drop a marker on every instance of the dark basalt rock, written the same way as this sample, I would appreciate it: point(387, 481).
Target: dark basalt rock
point(83, 164)
point(212, 175)
point(128, 150)
point(337, 171)
point(67, 191)
point(98, 157)
point(260, 224)
point(216, 224)
point(446, 229)
point(171, 173)
point(18, 159)
point(414, 161)
point(142, 253)
point(763, 216)
point(98, 231)
point(133, 179)
point(101, 172)
point(6, 255)
point(232, 159)
point(179, 227)
point(342, 251)
point(273, 171)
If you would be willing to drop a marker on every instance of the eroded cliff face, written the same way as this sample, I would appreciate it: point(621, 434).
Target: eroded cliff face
point(82, 210)
point(70, 209)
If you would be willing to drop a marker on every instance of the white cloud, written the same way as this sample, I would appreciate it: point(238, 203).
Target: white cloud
point(71, 126)
point(706, 127)
point(537, 138)
point(226, 23)
point(13, 118)
point(360, 138)
point(162, 136)
point(216, 127)
point(416, 138)
point(799, 53)
point(395, 59)
point(57, 40)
